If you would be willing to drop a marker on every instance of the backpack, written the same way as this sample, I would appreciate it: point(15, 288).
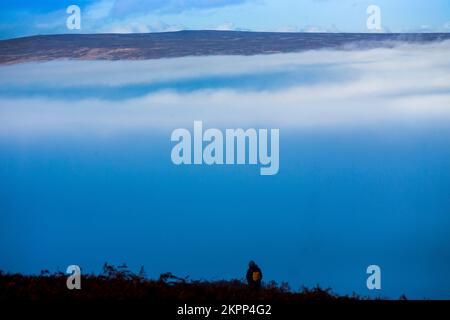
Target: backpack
point(256, 276)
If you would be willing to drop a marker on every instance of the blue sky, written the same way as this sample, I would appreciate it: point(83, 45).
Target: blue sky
point(23, 18)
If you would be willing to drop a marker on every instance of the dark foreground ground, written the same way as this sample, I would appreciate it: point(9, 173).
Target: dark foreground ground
point(191, 43)
point(117, 292)
point(120, 284)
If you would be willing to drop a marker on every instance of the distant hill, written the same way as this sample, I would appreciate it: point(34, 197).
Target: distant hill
point(190, 43)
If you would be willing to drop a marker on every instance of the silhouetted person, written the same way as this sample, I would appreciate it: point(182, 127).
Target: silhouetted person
point(254, 276)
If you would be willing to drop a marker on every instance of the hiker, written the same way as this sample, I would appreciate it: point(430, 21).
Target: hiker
point(254, 276)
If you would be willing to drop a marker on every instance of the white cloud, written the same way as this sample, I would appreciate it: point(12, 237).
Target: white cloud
point(143, 25)
point(125, 7)
point(134, 27)
point(99, 10)
point(288, 29)
point(446, 26)
point(405, 84)
point(227, 26)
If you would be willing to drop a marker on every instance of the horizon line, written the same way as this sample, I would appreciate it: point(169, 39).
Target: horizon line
point(219, 31)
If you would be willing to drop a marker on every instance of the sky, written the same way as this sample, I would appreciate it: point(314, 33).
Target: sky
point(24, 18)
